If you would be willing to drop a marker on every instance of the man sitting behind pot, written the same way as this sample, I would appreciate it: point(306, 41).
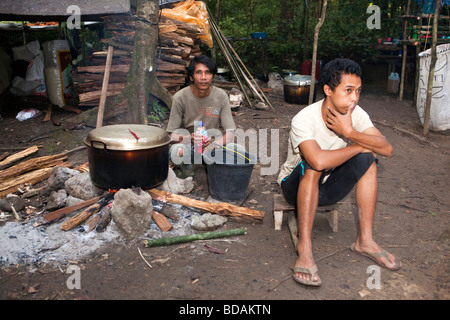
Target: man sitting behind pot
point(200, 101)
point(321, 168)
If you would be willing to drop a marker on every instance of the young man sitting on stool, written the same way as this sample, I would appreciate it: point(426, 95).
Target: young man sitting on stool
point(321, 168)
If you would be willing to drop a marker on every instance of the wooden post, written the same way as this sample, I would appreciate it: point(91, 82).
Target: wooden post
point(404, 54)
point(426, 120)
point(316, 39)
point(101, 107)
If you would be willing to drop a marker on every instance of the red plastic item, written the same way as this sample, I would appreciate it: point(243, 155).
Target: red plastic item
point(307, 67)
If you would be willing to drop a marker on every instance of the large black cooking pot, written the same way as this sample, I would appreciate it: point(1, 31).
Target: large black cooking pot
point(126, 155)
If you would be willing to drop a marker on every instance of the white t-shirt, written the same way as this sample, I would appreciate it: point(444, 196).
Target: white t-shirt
point(308, 124)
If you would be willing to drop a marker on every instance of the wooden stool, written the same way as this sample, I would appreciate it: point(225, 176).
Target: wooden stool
point(280, 205)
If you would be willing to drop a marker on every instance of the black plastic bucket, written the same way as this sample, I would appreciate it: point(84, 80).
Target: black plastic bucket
point(228, 173)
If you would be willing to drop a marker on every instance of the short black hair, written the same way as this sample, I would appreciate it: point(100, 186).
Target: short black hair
point(332, 72)
point(207, 61)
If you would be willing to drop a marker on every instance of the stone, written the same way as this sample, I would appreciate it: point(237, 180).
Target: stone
point(132, 212)
point(57, 199)
point(18, 203)
point(175, 185)
point(80, 186)
point(276, 83)
point(59, 176)
point(208, 222)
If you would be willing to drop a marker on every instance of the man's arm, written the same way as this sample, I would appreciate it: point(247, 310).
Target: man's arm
point(322, 160)
point(371, 138)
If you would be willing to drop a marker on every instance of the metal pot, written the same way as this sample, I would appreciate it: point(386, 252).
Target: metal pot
point(296, 89)
point(126, 155)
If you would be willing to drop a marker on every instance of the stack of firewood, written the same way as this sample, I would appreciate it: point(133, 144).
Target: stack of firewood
point(179, 42)
point(21, 169)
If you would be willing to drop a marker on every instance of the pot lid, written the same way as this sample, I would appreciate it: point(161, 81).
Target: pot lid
point(127, 137)
point(298, 80)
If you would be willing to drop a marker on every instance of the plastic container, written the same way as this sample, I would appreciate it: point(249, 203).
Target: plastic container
point(393, 83)
point(200, 129)
point(228, 174)
point(258, 35)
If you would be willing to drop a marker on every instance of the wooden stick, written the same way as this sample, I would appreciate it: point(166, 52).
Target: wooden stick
point(161, 221)
point(221, 208)
point(57, 214)
point(101, 107)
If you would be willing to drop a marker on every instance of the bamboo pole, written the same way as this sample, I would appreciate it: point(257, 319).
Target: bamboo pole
point(426, 120)
point(242, 67)
point(229, 60)
point(194, 237)
point(314, 59)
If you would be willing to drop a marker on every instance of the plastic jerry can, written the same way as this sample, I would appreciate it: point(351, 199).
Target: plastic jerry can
point(393, 83)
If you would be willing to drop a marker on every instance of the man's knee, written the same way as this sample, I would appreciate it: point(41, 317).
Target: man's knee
point(364, 162)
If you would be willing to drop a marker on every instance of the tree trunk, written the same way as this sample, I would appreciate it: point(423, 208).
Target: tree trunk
point(142, 84)
point(316, 39)
point(426, 120)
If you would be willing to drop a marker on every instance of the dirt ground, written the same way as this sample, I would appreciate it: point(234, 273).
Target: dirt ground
point(412, 221)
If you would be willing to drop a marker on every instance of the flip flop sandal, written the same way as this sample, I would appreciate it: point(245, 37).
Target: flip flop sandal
point(375, 256)
point(312, 271)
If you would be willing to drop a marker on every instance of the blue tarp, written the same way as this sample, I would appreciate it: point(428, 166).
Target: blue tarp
point(428, 6)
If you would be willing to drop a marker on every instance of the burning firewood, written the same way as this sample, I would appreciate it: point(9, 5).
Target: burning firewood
point(222, 208)
point(85, 214)
point(161, 221)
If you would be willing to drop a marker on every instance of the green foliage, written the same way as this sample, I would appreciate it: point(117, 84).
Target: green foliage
point(158, 112)
point(343, 34)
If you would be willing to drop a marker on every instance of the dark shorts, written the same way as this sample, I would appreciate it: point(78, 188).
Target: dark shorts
point(340, 182)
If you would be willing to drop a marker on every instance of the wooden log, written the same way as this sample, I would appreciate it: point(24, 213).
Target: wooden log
point(161, 221)
point(171, 67)
point(95, 95)
point(31, 177)
point(101, 69)
point(178, 38)
point(105, 219)
point(32, 164)
point(60, 213)
point(221, 208)
point(8, 161)
point(173, 59)
point(85, 214)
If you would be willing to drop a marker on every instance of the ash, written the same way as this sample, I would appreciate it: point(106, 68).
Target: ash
point(21, 243)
